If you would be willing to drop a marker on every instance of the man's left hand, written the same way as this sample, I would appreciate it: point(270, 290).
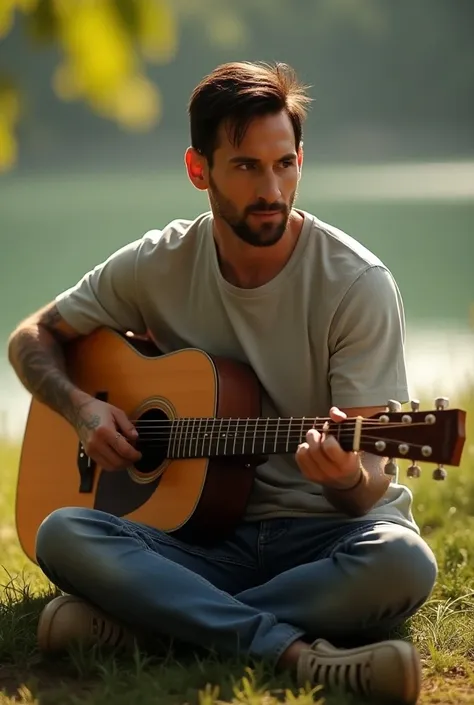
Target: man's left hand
point(322, 460)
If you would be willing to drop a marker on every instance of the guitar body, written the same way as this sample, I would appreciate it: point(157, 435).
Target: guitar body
point(199, 499)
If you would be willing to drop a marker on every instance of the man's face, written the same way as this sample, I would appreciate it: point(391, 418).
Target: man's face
point(252, 187)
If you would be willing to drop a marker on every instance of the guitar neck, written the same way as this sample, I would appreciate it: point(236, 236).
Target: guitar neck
point(434, 436)
point(209, 437)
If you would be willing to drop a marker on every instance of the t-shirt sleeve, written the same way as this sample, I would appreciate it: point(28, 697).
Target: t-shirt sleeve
point(367, 364)
point(105, 296)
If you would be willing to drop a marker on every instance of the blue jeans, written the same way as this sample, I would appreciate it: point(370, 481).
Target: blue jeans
point(273, 582)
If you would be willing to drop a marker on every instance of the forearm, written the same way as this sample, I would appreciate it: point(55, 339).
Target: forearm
point(38, 359)
point(370, 488)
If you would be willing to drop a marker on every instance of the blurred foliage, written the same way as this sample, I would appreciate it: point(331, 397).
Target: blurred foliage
point(374, 65)
point(103, 47)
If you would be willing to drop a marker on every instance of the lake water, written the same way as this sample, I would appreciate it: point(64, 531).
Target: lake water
point(418, 218)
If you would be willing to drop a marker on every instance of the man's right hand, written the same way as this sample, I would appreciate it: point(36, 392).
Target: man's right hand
point(106, 434)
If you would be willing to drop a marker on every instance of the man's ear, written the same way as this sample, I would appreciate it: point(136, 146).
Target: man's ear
point(196, 167)
point(300, 159)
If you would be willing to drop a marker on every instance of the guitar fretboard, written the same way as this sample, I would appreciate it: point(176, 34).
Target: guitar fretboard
point(207, 437)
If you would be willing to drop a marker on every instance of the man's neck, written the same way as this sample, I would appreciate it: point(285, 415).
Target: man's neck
point(249, 267)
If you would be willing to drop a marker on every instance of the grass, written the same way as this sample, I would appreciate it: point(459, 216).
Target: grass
point(443, 630)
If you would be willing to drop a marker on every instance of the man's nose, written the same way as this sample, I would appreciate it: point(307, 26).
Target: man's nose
point(268, 188)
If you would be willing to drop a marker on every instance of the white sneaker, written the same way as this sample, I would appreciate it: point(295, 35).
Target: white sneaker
point(388, 669)
point(67, 619)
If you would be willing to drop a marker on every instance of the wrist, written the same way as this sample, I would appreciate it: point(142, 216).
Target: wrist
point(78, 399)
point(351, 483)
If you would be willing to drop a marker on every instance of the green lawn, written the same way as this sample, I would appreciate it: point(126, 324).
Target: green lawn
point(443, 630)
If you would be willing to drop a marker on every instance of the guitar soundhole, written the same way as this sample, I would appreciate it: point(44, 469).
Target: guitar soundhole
point(154, 429)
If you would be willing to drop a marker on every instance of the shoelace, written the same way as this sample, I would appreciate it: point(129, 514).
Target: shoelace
point(107, 633)
point(355, 676)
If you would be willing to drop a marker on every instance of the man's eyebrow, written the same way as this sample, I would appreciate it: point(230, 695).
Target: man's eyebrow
point(252, 160)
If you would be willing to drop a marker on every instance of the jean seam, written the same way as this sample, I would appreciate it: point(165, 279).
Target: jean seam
point(187, 548)
point(268, 537)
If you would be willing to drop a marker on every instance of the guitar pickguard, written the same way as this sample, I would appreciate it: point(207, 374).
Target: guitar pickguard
point(118, 494)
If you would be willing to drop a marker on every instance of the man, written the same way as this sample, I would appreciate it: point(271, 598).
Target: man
point(328, 557)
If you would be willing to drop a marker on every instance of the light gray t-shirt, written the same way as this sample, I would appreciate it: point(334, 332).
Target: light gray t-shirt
point(329, 329)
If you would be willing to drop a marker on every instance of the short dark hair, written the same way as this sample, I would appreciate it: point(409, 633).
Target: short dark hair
point(236, 93)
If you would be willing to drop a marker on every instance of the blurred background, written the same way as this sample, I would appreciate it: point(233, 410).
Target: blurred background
point(93, 127)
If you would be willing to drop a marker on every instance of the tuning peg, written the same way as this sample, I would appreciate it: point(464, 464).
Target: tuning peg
point(394, 406)
point(439, 473)
point(391, 468)
point(415, 405)
point(414, 470)
point(441, 403)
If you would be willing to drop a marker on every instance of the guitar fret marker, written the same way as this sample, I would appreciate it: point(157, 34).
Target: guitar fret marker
point(204, 438)
point(219, 434)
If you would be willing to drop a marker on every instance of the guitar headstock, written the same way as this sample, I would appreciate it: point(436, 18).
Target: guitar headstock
point(436, 436)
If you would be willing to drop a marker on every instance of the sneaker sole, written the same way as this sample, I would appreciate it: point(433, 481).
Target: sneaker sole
point(409, 657)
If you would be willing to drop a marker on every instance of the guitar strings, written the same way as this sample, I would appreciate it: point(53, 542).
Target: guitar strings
point(188, 440)
point(263, 419)
point(273, 423)
point(224, 431)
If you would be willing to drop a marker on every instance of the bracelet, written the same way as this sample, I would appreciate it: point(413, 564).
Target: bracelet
point(353, 487)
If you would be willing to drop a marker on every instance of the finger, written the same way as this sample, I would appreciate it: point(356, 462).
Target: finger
point(313, 437)
point(338, 462)
point(336, 414)
point(328, 446)
point(124, 450)
point(306, 463)
point(125, 425)
point(332, 450)
point(115, 460)
point(329, 456)
point(324, 472)
point(107, 460)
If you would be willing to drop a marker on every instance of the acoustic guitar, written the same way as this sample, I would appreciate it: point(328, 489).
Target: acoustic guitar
point(201, 437)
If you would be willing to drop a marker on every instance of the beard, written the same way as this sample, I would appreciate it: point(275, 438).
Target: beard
point(264, 235)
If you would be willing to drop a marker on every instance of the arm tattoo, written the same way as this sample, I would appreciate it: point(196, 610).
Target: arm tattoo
point(50, 320)
point(38, 360)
